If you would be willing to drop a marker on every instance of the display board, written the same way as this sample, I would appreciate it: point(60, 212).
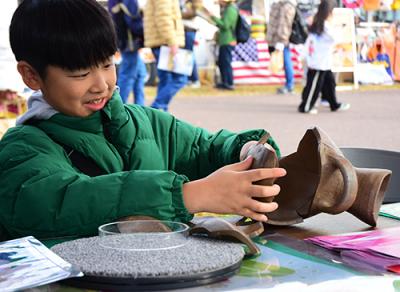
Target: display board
point(345, 53)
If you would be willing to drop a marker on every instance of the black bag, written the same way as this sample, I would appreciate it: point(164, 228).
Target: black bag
point(242, 30)
point(299, 29)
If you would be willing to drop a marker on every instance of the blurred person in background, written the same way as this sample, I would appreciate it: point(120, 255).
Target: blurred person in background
point(129, 26)
point(188, 8)
point(163, 27)
point(226, 40)
point(278, 33)
point(319, 47)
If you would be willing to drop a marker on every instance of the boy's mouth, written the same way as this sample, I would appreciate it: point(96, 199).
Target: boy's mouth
point(96, 104)
point(95, 101)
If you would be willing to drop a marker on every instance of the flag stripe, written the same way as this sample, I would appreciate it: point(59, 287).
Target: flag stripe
point(251, 64)
point(267, 75)
point(248, 66)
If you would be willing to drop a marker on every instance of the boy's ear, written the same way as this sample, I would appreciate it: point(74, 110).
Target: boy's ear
point(29, 75)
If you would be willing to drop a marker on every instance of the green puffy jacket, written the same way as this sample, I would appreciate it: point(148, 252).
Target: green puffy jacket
point(147, 155)
point(227, 25)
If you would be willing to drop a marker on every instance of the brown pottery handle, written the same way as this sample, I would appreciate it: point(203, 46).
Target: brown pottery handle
point(347, 198)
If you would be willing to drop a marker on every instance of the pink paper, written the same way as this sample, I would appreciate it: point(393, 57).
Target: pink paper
point(378, 247)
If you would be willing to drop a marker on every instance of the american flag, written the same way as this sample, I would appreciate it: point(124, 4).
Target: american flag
point(250, 63)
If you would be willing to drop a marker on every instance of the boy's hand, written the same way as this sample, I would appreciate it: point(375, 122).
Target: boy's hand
point(230, 189)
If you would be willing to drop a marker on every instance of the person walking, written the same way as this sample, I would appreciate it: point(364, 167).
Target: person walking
point(319, 47)
point(163, 27)
point(188, 9)
point(226, 40)
point(132, 70)
point(278, 33)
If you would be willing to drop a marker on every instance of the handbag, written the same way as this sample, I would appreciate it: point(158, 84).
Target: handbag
point(276, 62)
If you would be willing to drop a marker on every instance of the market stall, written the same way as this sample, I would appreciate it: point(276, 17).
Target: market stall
point(378, 39)
point(379, 49)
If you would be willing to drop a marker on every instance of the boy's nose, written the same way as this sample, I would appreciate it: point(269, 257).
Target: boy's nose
point(99, 83)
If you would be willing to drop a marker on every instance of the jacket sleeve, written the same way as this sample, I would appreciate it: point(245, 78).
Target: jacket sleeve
point(43, 195)
point(166, 24)
point(229, 19)
point(195, 152)
point(285, 20)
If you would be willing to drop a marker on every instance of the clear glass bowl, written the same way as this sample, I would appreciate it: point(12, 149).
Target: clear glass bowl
point(143, 235)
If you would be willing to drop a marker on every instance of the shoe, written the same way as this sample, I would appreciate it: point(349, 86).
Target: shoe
point(224, 86)
point(195, 84)
point(312, 111)
point(343, 107)
point(324, 103)
point(284, 90)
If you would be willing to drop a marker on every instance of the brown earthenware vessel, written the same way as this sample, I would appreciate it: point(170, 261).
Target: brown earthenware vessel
point(320, 179)
point(264, 156)
point(372, 185)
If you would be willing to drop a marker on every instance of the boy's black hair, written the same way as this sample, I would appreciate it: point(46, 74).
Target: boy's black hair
point(70, 34)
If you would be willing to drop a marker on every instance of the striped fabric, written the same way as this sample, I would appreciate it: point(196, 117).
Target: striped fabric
point(250, 63)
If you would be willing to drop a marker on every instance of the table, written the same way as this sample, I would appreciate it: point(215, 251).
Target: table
point(298, 268)
point(325, 224)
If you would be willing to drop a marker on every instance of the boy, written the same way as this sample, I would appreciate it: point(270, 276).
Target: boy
point(80, 158)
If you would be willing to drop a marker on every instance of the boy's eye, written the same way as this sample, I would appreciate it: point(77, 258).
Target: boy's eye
point(108, 65)
point(80, 75)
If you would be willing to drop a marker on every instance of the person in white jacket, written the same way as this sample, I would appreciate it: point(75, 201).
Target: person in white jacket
point(10, 81)
point(319, 53)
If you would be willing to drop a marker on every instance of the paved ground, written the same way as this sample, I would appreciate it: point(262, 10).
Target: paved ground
point(372, 122)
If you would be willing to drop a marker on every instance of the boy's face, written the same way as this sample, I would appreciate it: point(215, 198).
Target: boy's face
point(79, 93)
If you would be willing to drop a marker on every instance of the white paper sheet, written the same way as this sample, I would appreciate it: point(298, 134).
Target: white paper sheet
point(181, 63)
point(27, 263)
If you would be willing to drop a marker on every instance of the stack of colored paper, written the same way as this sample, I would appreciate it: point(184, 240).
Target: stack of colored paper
point(378, 248)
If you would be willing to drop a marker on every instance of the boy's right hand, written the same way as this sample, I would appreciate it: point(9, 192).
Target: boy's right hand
point(230, 189)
